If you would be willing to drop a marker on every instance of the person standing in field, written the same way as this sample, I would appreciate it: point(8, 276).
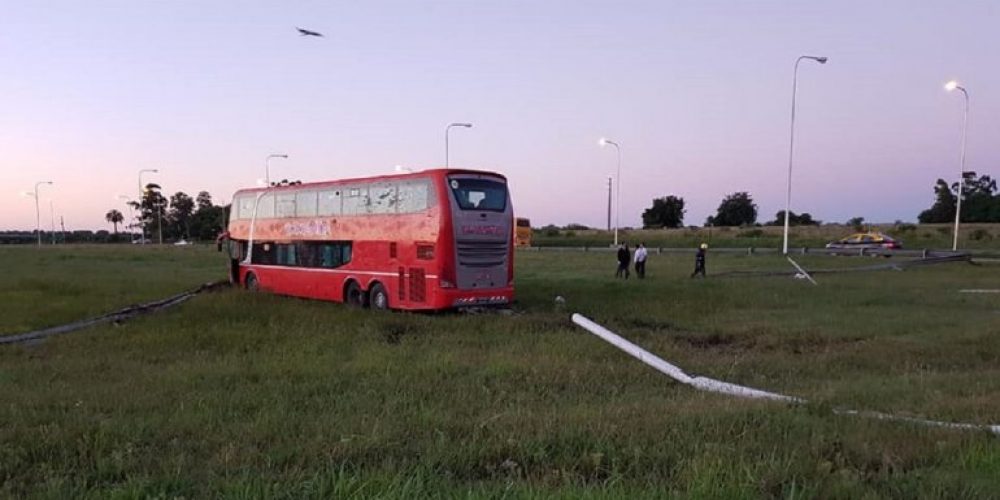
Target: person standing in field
point(699, 261)
point(640, 261)
point(623, 261)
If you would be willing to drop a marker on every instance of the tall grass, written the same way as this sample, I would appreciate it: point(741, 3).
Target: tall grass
point(253, 395)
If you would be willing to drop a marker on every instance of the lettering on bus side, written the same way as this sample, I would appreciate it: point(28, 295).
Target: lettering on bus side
point(307, 228)
point(483, 229)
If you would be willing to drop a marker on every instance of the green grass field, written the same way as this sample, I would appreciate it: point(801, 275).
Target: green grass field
point(245, 395)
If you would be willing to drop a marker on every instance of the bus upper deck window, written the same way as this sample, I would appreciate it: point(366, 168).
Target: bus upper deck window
point(479, 194)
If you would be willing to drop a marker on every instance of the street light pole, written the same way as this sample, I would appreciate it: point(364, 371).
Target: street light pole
point(791, 146)
point(446, 130)
point(618, 184)
point(38, 216)
point(609, 203)
point(142, 192)
point(267, 166)
point(950, 86)
point(52, 222)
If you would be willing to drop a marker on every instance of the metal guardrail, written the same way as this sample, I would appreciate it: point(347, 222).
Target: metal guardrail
point(922, 253)
point(119, 315)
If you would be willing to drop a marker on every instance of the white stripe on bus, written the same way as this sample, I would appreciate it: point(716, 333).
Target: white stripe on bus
point(335, 271)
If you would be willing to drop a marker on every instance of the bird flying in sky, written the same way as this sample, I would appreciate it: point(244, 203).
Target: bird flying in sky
point(303, 32)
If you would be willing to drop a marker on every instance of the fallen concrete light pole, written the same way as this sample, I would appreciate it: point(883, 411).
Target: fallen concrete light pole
point(718, 386)
point(672, 371)
point(634, 350)
point(803, 271)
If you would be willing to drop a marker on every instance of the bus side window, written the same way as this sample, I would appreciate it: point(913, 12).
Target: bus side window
point(307, 254)
point(285, 205)
point(326, 259)
point(356, 201)
point(383, 199)
point(413, 197)
point(263, 253)
point(305, 204)
point(345, 253)
point(286, 255)
point(329, 202)
point(335, 254)
point(244, 206)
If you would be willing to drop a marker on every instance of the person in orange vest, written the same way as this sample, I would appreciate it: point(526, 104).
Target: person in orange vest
point(699, 261)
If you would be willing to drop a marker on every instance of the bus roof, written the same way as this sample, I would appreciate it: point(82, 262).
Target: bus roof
point(404, 175)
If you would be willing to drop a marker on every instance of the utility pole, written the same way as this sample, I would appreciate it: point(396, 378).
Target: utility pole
point(62, 225)
point(52, 222)
point(609, 203)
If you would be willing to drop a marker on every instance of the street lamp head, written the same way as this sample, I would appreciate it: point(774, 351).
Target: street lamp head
point(821, 59)
point(466, 125)
point(603, 141)
point(952, 85)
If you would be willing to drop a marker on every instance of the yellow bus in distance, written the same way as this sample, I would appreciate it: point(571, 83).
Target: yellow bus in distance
point(522, 232)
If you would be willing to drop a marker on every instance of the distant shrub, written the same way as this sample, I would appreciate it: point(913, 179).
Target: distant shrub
point(980, 234)
point(550, 230)
point(569, 234)
point(905, 227)
point(751, 233)
point(943, 230)
point(576, 227)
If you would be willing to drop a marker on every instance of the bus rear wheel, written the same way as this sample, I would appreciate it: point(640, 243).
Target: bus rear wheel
point(251, 282)
point(353, 295)
point(378, 297)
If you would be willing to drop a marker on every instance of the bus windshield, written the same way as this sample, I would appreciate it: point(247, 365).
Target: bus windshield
point(479, 194)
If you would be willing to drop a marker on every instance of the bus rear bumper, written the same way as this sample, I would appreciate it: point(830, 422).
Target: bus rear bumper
point(473, 298)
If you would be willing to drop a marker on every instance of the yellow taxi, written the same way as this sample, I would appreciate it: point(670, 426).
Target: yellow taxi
point(866, 240)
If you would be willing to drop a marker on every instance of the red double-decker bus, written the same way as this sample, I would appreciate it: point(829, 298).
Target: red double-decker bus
point(436, 239)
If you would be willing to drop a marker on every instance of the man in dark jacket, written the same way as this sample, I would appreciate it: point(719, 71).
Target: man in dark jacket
point(624, 257)
point(699, 261)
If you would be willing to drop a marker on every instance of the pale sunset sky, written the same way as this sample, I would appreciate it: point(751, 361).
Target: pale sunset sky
point(696, 92)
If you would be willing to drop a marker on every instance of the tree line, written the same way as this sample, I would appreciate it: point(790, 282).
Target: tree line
point(736, 209)
point(980, 203)
point(179, 217)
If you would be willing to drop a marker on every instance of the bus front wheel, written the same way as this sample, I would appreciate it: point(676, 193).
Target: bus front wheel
point(378, 297)
point(353, 295)
point(251, 282)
